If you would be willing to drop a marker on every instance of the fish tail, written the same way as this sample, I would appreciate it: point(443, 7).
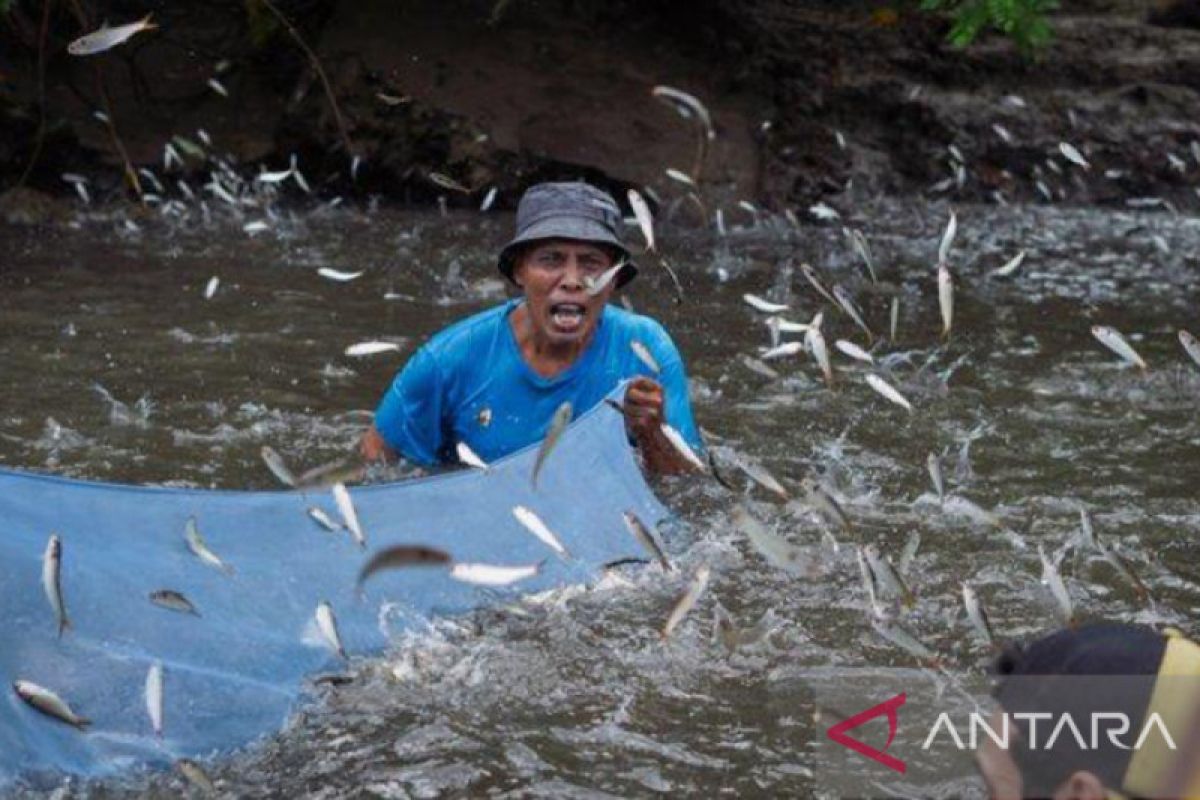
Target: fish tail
point(64, 624)
point(82, 723)
point(146, 24)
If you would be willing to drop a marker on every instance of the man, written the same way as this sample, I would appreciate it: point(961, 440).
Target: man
point(494, 380)
point(1130, 670)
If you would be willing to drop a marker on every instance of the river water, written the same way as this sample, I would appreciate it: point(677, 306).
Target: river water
point(119, 369)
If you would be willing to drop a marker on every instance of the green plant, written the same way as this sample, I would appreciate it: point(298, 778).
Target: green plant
point(1023, 21)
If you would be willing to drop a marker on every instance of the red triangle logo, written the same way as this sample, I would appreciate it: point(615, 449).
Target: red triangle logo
point(838, 732)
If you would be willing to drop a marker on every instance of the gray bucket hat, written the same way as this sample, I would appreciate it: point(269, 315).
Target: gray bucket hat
point(574, 210)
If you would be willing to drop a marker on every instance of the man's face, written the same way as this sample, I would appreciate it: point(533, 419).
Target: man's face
point(555, 275)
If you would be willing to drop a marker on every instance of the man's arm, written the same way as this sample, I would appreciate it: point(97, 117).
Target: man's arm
point(374, 449)
point(644, 418)
point(408, 421)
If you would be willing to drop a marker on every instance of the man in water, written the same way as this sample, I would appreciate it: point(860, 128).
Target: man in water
point(494, 380)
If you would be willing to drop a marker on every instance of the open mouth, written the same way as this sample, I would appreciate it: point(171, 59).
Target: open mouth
point(567, 317)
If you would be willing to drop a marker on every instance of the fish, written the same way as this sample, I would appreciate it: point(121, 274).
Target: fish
point(218, 87)
point(823, 212)
point(488, 199)
point(909, 552)
point(273, 177)
point(595, 287)
point(446, 182)
point(493, 575)
point(762, 477)
point(782, 351)
point(319, 516)
point(860, 244)
point(1011, 266)
point(724, 629)
point(887, 578)
point(533, 523)
point(644, 355)
point(52, 582)
point(758, 367)
point(274, 462)
point(777, 551)
point(402, 555)
point(811, 276)
point(765, 306)
point(934, 463)
point(338, 275)
point(886, 389)
point(946, 298)
point(468, 456)
point(558, 424)
point(1088, 536)
point(1073, 155)
point(257, 226)
point(344, 470)
point(1002, 132)
point(820, 499)
point(854, 351)
point(1190, 345)
point(154, 697)
point(642, 212)
point(682, 447)
point(976, 614)
point(106, 38)
point(895, 319)
point(816, 344)
point(905, 641)
point(371, 348)
point(787, 326)
point(947, 239)
point(50, 704)
point(173, 600)
point(1053, 579)
point(199, 547)
point(878, 610)
point(195, 775)
point(681, 177)
point(1113, 340)
point(211, 288)
point(847, 304)
point(683, 100)
point(687, 600)
point(327, 625)
point(345, 506)
point(645, 538)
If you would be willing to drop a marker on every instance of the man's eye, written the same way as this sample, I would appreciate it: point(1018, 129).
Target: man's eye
point(549, 259)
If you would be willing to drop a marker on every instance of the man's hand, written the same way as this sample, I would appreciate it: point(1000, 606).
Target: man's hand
point(374, 449)
point(643, 406)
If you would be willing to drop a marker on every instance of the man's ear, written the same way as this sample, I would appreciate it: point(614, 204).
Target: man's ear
point(1081, 785)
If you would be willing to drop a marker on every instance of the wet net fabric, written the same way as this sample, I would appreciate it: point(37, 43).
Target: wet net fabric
point(238, 670)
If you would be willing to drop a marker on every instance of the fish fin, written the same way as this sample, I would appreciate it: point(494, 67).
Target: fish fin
point(146, 24)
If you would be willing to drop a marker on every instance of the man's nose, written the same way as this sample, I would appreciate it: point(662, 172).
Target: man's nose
point(573, 274)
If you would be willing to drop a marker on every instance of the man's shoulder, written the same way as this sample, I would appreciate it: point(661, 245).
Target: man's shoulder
point(460, 338)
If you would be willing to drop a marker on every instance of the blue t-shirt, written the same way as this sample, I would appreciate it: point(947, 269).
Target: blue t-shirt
point(470, 383)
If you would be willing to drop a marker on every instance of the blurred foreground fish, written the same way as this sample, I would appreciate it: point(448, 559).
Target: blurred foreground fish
point(402, 555)
point(199, 547)
point(1073, 155)
point(370, 348)
point(106, 37)
point(1113, 340)
point(319, 516)
point(338, 275)
point(687, 600)
point(468, 457)
point(345, 506)
point(934, 463)
point(1053, 579)
point(645, 356)
point(947, 239)
point(682, 447)
point(52, 582)
point(642, 212)
point(884, 388)
point(887, 578)
point(777, 551)
point(195, 775)
point(1191, 345)
point(847, 304)
point(210, 288)
point(854, 351)
point(173, 600)
point(946, 298)
point(47, 702)
point(683, 101)
point(765, 306)
point(280, 470)
point(558, 424)
point(595, 287)
point(493, 575)
point(645, 538)
point(327, 625)
point(154, 697)
point(1011, 266)
point(976, 614)
point(533, 523)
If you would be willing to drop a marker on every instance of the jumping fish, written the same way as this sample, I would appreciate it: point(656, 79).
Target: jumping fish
point(154, 697)
point(106, 37)
point(724, 629)
point(1053, 579)
point(446, 182)
point(811, 276)
point(173, 600)
point(341, 496)
point(680, 176)
point(558, 424)
point(50, 704)
point(860, 244)
point(976, 614)
point(403, 555)
point(643, 535)
point(642, 212)
point(886, 389)
point(1073, 155)
point(682, 447)
point(533, 523)
point(905, 641)
point(1123, 568)
point(595, 287)
point(645, 356)
point(886, 576)
point(909, 552)
point(946, 298)
point(338, 275)
point(199, 547)
point(820, 499)
point(280, 470)
point(878, 610)
point(759, 474)
point(346, 470)
point(371, 348)
point(894, 319)
point(319, 516)
point(758, 367)
point(687, 600)
point(210, 288)
point(1113, 340)
point(934, 463)
point(683, 100)
point(782, 351)
point(1011, 266)
point(777, 551)
point(854, 351)
point(195, 775)
point(52, 582)
point(947, 239)
point(765, 306)
point(816, 345)
point(327, 625)
point(1191, 345)
point(468, 456)
point(847, 304)
point(492, 575)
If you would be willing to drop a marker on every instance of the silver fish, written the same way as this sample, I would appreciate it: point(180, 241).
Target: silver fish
point(854, 351)
point(777, 551)
point(765, 306)
point(860, 244)
point(1011, 266)
point(345, 506)
point(894, 319)
point(371, 348)
point(1073, 155)
point(682, 447)
point(488, 199)
point(280, 470)
point(106, 37)
point(782, 351)
point(491, 574)
point(1191, 345)
point(595, 287)
point(819, 498)
point(847, 304)
point(816, 345)
point(935, 474)
point(173, 600)
point(643, 535)
point(887, 578)
point(947, 239)
point(533, 523)
point(1053, 579)
point(195, 775)
point(52, 582)
point(199, 547)
point(1123, 568)
point(50, 704)
point(758, 367)
point(319, 516)
point(878, 610)
point(759, 474)
point(687, 600)
point(909, 552)
point(682, 100)
point(346, 470)
point(645, 356)
point(154, 697)
point(946, 298)
point(210, 288)
point(338, 275)
point(884, 388)
point(811, 276)
point(1113, 340)
point(680, 176)
point(976, 614)
point(468, 456)
point(558, 424)
point(642, 212)
point(725, 629)
point(905, 641)
point(446, 182)
point(327, 625)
